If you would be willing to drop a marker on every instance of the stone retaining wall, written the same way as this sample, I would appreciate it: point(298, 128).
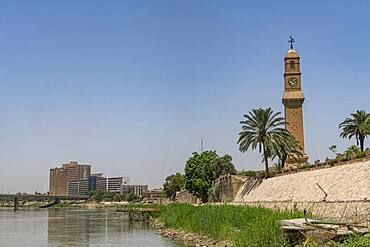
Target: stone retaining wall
point(350, 211)
point(340, 192)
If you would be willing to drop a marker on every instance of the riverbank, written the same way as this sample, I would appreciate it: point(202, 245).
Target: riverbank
point(237, 225)
point(188, 238)
point(232, 225)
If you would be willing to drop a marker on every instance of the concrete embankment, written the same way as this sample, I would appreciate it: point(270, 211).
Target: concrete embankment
point(341, 192)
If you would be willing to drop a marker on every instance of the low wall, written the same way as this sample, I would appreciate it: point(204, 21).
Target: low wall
point(318, 166)
point(185, 196)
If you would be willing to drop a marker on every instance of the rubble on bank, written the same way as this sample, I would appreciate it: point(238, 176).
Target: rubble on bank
point(189, 239)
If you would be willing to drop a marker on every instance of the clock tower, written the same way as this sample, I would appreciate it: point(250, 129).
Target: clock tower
point(293, 99)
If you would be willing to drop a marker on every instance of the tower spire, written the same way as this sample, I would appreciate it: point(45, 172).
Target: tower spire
point(291, 41)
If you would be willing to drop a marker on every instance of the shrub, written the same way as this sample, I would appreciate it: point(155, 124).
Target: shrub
point(360, 155)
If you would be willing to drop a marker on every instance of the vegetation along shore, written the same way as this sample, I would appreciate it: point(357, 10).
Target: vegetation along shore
point(242, 225)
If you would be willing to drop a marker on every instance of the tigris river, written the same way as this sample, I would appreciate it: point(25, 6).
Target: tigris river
point(75, 227)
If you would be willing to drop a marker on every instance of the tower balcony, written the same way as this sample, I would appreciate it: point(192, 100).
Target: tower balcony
point(293, 96)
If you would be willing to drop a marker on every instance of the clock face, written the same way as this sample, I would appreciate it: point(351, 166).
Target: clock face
point(293, 82)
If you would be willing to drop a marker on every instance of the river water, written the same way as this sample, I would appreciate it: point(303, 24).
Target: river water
point(75, 227)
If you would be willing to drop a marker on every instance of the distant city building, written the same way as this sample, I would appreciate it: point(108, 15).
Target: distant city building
point(96, 182)
point(83, 188)
point(138, 190)
point(74, 171)
point(60, 177)
point(78, 187)
point(76, 179)
point(72, 187)
point(58, 182)
point(112, 184)
point(100, 184)
point(115, 184)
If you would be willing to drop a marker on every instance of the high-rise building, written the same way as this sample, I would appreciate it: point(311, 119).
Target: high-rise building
point(74, 171)
point(58, 182)
point(75, 179)
point(61, 176)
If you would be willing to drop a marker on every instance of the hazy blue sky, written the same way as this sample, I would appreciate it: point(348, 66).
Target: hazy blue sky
point(132, 86)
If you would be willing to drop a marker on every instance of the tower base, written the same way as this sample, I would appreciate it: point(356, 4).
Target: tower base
point(292, 163)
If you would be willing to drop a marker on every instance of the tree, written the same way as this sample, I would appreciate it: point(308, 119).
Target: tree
point(357, 126)
point(289, 148)
point(97, 195)
point(131, 197)
point(173, 184)
point(333, 148)
point(199, 175)
point(223, 165)
point(118, 197)
point(263, 129)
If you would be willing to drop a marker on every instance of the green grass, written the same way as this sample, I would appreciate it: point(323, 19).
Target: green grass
point(354, 241)
point(242, 225)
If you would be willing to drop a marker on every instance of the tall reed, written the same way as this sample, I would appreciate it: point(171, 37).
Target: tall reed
point(242, 225)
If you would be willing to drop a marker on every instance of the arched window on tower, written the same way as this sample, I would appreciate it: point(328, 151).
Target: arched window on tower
point(292, 65)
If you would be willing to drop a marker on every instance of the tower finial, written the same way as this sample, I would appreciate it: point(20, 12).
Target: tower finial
point(291, 41)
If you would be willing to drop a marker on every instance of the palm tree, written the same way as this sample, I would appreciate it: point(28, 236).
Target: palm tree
point(289, 148)
point(357, 126)
point(263, 129)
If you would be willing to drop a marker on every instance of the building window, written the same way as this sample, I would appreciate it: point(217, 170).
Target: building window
point(292, 64)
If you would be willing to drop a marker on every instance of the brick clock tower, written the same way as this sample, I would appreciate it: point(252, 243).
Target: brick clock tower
point(293, 99)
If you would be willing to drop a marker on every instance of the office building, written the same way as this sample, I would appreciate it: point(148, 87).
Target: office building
point(114, 184)
point(61, 176)
point(78, 187)
point(58, 182)
point(138, 190)
point(75, 179)
point(74, 171)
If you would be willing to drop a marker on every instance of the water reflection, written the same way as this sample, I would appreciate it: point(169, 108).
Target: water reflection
point(99, 227)
point(75, 227)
